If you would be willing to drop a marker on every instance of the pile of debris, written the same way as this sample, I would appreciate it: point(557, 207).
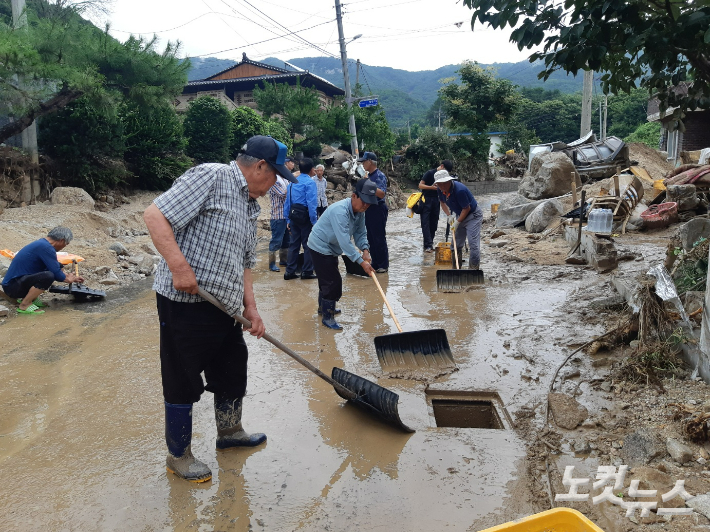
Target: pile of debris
point(632, 199)
point(340, 181)
point(593, 159)
point(511, 165)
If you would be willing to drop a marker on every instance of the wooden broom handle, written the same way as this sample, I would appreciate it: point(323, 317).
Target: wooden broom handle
point(374, 278)
point(456, 253)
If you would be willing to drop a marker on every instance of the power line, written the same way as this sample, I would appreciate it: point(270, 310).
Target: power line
point(225, 22)
point(171, 29)
point(260, 42)
point(385, 6)
point(297, 36)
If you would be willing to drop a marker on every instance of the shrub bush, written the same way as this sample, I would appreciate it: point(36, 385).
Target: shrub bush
point(208, 129)
point(154, 146)
point(87, 143)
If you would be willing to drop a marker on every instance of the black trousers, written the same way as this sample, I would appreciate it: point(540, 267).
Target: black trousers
point(429, 218)
point(330, 283)
point(20, 286)
point(197, 337)
point(376, 224)
point(320, 210)
point(299, 238)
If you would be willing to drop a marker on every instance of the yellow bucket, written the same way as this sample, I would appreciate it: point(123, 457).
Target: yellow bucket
point(555, 520)
point(658, 184)
point(442, 255)
point(494, 208)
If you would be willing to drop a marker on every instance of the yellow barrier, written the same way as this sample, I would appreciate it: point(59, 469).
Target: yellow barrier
point(555, 520)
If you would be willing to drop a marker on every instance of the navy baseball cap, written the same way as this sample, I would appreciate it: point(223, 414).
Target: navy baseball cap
point(366, 190)
point(368, 156)
point(272, 151)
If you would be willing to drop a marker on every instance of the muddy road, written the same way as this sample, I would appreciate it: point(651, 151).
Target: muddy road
point(81, 431)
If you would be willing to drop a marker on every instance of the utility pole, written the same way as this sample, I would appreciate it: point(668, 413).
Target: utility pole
point(346, 75)
point(357, 73)
point(29, 135)
point(606, 107)
point(600, 120)
point(409, 131)
point(586, 125)
point(439, 118)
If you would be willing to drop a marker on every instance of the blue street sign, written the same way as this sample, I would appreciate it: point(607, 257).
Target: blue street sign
point(368, 103)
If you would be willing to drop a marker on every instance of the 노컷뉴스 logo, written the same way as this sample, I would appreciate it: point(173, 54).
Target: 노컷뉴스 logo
point(611, 482)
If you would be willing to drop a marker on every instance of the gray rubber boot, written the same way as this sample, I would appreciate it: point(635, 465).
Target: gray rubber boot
point(283, 257)
point(178, 437)
point(230, 433)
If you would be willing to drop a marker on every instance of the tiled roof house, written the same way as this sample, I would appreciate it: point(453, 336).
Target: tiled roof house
point(234, 86)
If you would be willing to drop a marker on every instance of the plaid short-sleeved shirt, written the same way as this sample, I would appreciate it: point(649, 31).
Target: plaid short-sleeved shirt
point(214, 222)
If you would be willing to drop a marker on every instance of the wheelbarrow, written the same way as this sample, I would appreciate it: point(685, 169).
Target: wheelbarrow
point(361, 392)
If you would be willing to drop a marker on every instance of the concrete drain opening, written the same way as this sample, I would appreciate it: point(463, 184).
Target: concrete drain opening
point(468, 409)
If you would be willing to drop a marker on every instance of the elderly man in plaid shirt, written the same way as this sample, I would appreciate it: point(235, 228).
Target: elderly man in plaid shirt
point(205, 229)
point(280, 237)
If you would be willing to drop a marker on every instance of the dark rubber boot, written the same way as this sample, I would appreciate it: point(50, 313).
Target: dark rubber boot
point(272, 262)
point(308, 275)
point(228, 414)
point(320, 306)
point(283, 257)
point(460, 252)
point(329, 315)
point(178, 436)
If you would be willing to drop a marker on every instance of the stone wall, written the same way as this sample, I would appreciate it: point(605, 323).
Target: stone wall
point(479, 188)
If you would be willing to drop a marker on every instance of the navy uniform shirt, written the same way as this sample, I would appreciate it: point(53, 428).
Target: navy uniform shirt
point(458, 198)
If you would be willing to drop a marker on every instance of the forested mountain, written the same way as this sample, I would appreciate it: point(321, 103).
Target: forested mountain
point(405, 95)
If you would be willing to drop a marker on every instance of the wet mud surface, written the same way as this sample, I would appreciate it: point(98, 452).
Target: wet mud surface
point(81, 435)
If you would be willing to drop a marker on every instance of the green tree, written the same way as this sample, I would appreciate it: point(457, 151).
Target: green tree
point(275, 129)
point(208, 129)
point(627, 112)
point(154, 145)
point(245, 124)
point(518, 137)
point(298, 106)
point(648, 134)
point(478, 102)
point(374, 132)
point(87, 141)
point(428, 151)
point(65, 57)
point(656, 44)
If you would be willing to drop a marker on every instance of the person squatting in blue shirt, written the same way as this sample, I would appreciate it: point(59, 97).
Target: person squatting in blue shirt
point(35, 268)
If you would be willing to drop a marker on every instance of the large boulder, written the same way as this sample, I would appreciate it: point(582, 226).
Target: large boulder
point(641, 447)
point(513, 210)
point(550, 176)
point(566, 411)
point(543, 215)
point(72, 196)
point(692, 231)
point(686, 196)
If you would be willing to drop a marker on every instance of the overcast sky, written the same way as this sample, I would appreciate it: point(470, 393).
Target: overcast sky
point(406, 34)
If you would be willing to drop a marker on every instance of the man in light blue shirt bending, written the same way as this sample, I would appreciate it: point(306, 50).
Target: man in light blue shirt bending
point(331, 237)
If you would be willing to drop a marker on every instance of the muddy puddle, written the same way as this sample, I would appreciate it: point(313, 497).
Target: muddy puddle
point(81, 435)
